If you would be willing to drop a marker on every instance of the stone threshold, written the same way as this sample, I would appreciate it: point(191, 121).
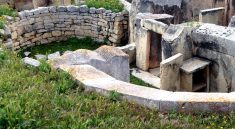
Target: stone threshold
point(163, 101)
point(146, 77)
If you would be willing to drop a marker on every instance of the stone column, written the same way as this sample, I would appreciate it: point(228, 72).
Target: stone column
point(170, 73)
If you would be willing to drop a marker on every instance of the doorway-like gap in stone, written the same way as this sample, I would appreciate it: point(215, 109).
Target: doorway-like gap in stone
point(155, 56)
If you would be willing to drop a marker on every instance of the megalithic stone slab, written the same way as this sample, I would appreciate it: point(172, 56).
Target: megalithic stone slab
point(117, 61)
point(170, 73)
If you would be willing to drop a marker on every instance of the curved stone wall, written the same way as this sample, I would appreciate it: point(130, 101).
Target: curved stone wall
point(47, 24)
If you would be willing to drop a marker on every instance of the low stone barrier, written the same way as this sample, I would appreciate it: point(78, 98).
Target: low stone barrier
point(47, 24)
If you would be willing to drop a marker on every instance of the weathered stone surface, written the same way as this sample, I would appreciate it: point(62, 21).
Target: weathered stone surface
point(80, 57)
point(61, 9)
point(67, 52)
point(84, 9)
point(143, 49)
point(95, 80)
point(213, 16)
point(72, 8)
point(41, 57)
point(27, 53)
point(215, 38)
point(197, 102)
point(47, 24)
point(232, 22)
point(130, 50)
point(177, 39)
point(153, 25)
point(53, 55)
point(117, 61)
point(170, 70)
point(30, 61)
point(146, 77)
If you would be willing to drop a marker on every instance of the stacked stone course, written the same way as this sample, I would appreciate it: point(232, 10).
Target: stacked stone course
point(47, 24)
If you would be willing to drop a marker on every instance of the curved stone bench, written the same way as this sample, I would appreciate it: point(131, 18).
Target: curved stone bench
point(47, 24)
point(164, 101)
point(94, 78)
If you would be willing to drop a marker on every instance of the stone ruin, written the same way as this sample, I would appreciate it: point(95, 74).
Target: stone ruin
point(177, 45)
point(189, 47)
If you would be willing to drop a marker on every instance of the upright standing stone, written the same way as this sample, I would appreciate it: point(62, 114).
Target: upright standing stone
point(232, 22)
point(170, 73)
point(117, 61)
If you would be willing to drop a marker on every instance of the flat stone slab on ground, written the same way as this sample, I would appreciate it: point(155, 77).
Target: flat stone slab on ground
point(146, 77)
point(31, 62)
point(53, 55)
point(155, 71)
point(41, 57)
point(79, 57)
point(27, 54)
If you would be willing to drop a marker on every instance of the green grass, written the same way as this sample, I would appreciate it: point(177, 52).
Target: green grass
point(2, 24)
point(71, 44)
point(44, 98)
point(6, 10)
point(137, 81)
point(114, 5)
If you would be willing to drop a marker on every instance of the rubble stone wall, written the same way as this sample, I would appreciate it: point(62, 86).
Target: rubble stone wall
point(47, 24)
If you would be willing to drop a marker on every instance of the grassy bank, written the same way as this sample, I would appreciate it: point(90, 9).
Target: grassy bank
point(43, 98)
point(114, 5)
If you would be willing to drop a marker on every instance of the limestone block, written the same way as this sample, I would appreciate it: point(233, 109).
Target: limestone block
point(232, 22)
point(49, 25)
point(130, 50)
point(214, 16)
point(40, 57)
point(100, 10)
point(83, 9)
point(170, 73)
point(61, 9)
point(143, 49)
point(14, 35)
point(69, 33)
point(177, 39)
point(92, 10)
point(27, 53)
point(222, 70)
point(72, 8)
point(216, 38)
point(53, 55)
point(27, 35)
point(80, 57)
point(117, 62)
point(32, 62)
point(52, 9)
point(40, 10)
point(56, 33)
point(38, 25)
point(46, 35)
point(155, 26)
point(22, 15)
